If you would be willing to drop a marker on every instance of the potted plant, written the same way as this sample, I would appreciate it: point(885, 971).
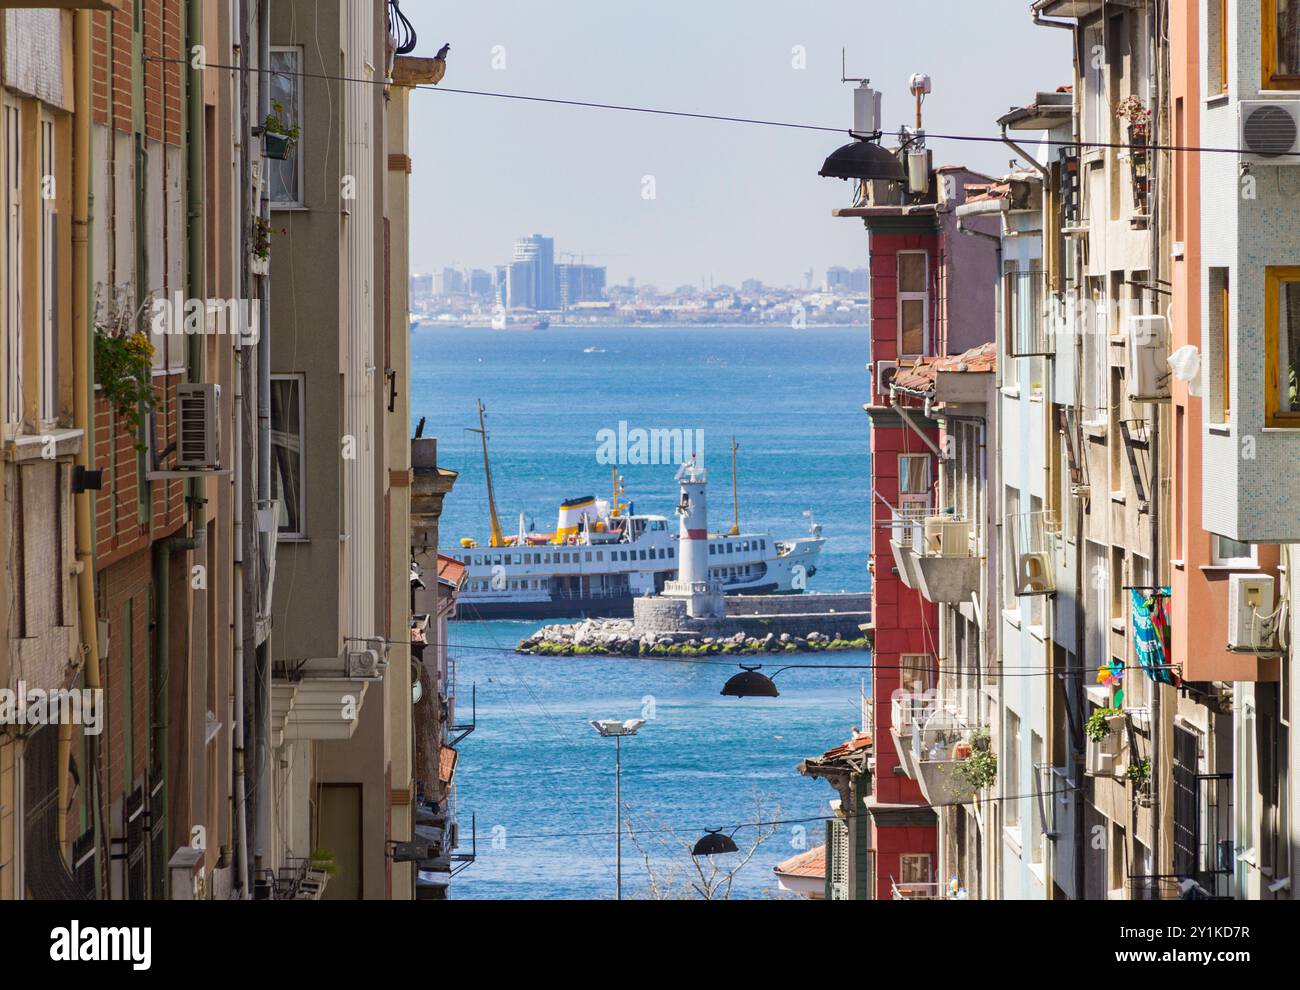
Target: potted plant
point(980, 767)
point(260, 261)
point(1138, 117)
point(278, 138)
point(124, 373)
point(1139, 772)
point(323, 860)
point(1097, 728)
point(1104, 740)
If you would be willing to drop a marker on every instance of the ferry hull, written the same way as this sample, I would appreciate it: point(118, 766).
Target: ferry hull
point(577, 608)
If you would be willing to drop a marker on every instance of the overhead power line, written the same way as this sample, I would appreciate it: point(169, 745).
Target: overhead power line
point(723, 118)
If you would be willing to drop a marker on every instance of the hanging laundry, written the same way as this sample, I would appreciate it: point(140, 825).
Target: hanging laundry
point(1151, 634)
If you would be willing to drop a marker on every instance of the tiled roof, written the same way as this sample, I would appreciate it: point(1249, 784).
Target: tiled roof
point(807, 864)
point(920, 378)
point(447, 764)
point(450, 570)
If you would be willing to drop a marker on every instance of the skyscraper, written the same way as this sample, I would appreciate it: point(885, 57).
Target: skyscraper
point(534, 266)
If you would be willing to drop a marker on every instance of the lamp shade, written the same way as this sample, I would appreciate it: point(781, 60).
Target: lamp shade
point(714, 843)
point(863, 160)
point(749, 683)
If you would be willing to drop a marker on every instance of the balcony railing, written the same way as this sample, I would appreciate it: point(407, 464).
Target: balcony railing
point(936, 553)
point(927, 891)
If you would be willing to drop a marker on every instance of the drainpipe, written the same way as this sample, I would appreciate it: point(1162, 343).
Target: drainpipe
point(239, 716)
point(196, 231)
point(1034, 163)
point(992, 478)
point(262, 700)
point(82, 405)
point(1157, 728)
point(162, 555)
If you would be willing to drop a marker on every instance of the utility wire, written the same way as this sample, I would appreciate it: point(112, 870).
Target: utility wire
point(736, 826)
point(658, 111)
point(774, 660)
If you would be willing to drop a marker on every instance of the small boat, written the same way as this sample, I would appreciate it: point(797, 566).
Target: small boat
point(593, 350)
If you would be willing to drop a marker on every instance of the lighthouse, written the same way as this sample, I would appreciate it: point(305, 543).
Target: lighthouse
point(703, 596)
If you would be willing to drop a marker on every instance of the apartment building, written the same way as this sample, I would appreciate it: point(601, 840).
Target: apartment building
point(47, 633)
point(931, 297)
point(342, 677)
point(1234, 288)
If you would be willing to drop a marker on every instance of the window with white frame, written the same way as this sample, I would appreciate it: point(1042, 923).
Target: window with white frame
point(287, 453)
point(49, 278)
point(913, 303)
point(915, 868)
point(914, 483)
point(1011, 778)
point(1229, 553)
point(284, 177)
point(13, 337)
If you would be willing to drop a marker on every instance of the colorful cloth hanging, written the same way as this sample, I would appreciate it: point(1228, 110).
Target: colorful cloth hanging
point(1151, 634)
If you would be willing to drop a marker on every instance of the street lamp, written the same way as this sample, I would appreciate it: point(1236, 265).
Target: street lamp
point(749, 683)
point(616, 729)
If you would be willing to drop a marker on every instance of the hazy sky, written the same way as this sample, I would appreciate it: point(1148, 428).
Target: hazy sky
point(732, 200)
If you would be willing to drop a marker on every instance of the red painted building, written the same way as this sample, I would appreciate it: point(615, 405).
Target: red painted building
point(932, 294)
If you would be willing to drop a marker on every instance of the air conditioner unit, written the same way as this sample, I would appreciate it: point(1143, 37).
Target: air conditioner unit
point(947, 537)
point(198, 435)
point(363, 664)
point(1269, 131)
point(1034, 574)
point(1146, 365)
point(885, 372)
point(1251, 625)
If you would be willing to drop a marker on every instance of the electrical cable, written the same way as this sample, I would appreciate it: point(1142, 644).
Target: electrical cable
point(736, 826)
point(723, 118)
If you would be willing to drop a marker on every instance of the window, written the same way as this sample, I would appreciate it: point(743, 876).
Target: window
point(1010, 563)
point(49, 278)
point(285, 177)
point(1041, 783)
point(913, 303)
point(914, 480)
point(914, 868)
point(1280, 52)
point(13, 338)
point(1011, 779)
point(287, 468)
point(1217, 50)
point(1229, 553)
point(1220, 370)
point(917, 673)
point(1282, 346)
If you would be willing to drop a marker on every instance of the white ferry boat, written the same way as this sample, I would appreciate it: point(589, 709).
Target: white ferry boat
point(600, 557)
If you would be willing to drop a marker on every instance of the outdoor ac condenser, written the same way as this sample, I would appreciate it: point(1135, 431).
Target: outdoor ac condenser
point(198, 434)
point(1251, 625)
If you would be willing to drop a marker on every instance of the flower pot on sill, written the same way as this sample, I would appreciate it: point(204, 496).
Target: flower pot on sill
point(277, 146)
point(258, 265)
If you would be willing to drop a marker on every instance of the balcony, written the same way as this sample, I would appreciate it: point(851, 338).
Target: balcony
point(932, 738)
point(321, 698)
point(936, 555)
point(928, 891)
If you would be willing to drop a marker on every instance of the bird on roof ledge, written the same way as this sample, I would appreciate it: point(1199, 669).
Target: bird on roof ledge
point(440, 63)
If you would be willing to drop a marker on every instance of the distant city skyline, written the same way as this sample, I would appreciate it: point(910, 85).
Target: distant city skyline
point(670, 200)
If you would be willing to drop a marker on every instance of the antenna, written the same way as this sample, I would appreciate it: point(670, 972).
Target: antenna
point(844, 72)
point(867, 112)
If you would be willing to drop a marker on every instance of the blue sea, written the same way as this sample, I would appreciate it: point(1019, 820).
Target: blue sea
point(534, 778)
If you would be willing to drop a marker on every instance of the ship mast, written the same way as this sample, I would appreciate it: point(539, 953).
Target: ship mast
point(735, 497)
point(497, 539)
